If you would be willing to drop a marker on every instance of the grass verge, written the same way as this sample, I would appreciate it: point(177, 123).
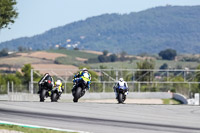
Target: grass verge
point(170, 101)
point(28, 129)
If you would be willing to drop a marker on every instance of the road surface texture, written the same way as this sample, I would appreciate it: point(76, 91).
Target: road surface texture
point(104, 117)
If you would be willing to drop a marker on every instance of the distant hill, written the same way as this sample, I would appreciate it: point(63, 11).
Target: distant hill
point(51, 59)
point(148, 31)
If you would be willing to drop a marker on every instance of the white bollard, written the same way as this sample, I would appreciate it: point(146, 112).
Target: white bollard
point(196, 99)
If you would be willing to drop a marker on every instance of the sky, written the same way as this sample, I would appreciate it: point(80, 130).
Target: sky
point(37, 16)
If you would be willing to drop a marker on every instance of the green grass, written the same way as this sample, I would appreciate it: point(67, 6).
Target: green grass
point(132, 65)
point(174, 64)
point(74, 53)
point(170, 101)
point(29, 130)
point(68, 61)
point(115, 65)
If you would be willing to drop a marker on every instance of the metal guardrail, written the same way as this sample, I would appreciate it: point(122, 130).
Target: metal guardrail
point(157, 77)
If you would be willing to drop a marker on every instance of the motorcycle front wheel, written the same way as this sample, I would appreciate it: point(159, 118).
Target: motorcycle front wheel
point(77, 94)
point(54, 97)
point(120, 98)
point(42, 95)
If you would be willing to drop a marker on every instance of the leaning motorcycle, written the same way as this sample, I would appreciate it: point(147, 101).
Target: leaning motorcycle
point(45, 87)
point(80, 88)
point(121, 93)
point(56, 93)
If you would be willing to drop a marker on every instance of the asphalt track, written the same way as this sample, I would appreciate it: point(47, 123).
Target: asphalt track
point(105, 117)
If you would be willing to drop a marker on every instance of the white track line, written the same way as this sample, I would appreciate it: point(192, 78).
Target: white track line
point(36, 126)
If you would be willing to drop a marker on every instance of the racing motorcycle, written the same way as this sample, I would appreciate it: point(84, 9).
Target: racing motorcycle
point(79, 89)
point(122, 91)
point(45, 85)
point(44, 90)
point(56, 93)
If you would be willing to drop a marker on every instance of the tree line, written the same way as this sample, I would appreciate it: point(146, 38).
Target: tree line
point(168, 54)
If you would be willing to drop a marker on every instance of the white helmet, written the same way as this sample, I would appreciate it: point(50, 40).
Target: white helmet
point(121, 79)
point(85, 70)
point(58, 82)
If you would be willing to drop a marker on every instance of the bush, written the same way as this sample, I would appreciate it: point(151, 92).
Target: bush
point(168, 54)
point(4, 52)
point(164, 66)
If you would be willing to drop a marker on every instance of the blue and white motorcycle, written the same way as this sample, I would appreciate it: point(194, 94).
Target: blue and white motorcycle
point(121, 92)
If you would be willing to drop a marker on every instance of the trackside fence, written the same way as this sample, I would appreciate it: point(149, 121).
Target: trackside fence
point(182, 81)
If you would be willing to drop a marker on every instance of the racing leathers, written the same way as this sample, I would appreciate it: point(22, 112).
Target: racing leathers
point(46, 81)
point(120, 83)
point(58, 86)
point(83, 75)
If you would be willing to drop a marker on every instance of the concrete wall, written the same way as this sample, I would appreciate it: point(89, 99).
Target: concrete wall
point(180, 98)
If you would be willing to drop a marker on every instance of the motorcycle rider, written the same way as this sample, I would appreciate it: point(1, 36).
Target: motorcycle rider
point(58, 85)
point(83, 74)
point(46, 81)
point(121, 82)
